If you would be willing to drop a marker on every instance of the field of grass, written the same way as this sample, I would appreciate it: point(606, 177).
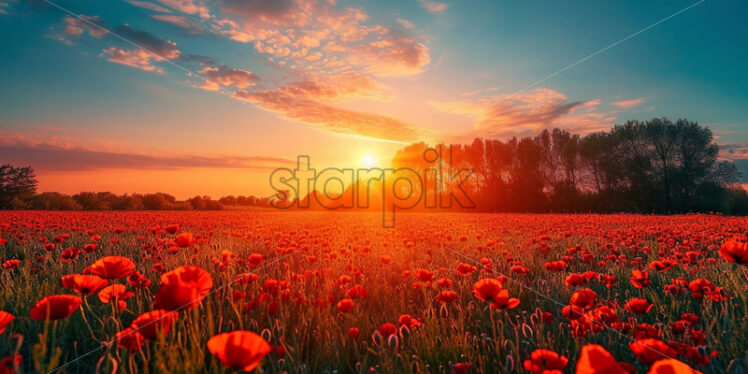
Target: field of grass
point(336, 292)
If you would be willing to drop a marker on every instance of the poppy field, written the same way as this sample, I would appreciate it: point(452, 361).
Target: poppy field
point(335, 292)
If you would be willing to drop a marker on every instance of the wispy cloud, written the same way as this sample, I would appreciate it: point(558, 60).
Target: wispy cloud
point(433, 6)
point(149, 5)
point(94, 25)
point(628, 104)
point(735, 151)
point(330, 119)
point(181, 22)
point(526, 113)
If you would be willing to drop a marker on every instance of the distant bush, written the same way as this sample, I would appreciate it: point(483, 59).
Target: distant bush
point(52, 201)
point(737, 201)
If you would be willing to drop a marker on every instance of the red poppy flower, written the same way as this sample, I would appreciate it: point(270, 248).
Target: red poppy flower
point(547, 317)
point(543, 360)
point(239, 349)
point(555, 266)
point(69, 255)
point(171, 229)
point(584, 298)
point(345, 305)
point(424, 275)
point(671, 366)
point(575, 280)
point(55, 307)
point(353, 333)
point(357, 292)
point(487, 289)
point(11, 264)
point(8, 364)
point(638, 306)
point(184, 239)
point(255, 259)
point(503, 301)
point(662, 265)
point(572, 312)
point(387, 329)
point(138, 280)
point(734, 251)
point(594, 359)
point(646, 331)
point(407, 320)
point(650, 350)
point(464, 270)
point(462, 368)
point(690, 317)
point(5, 319)
point(111, 267)
point(129, 339)
point(446, 297)
point(640, 279)
point(520, 269)
point(701, 287)
point(116, 292)
point(183, 288)
point(83, 284)
point(155, 322)
point(88, 248)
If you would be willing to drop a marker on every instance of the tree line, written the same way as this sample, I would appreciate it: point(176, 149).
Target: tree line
point(656, 166)
point(18, 191)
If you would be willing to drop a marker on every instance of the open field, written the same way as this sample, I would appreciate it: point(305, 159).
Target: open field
point(336, 292)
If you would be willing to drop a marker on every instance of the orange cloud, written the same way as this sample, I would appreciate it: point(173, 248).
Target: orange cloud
point(187, 6)
point(136, 58)
point(149, 6)
point(337, 87)
point(320, 36)
point(331, 119)
point(224, 76)
point(398, 54)
point(76, 26)
point(433, 6)
point(734, 151)
point(628, 104)
point(151, 48)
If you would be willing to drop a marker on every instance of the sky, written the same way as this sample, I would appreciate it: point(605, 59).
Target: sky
point(198, 97)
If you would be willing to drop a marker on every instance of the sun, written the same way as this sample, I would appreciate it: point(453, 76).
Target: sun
point(369, 160)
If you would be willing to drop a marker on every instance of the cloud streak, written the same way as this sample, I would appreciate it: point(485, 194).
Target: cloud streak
point(53, 157)
point(628, 104)
point(331, 119)
point(433, 6)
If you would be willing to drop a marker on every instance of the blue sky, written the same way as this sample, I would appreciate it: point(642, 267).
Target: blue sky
point(273, 79)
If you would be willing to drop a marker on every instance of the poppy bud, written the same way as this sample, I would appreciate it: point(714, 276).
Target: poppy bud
point(266, 334)
point(393, 342)
point(376, 337)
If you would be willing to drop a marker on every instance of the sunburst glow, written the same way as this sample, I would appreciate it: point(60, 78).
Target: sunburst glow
point(369, 160)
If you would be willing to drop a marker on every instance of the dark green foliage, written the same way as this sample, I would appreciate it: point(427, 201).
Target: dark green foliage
point(16, 185)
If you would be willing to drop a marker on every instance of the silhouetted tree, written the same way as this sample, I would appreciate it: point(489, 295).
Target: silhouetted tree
point(16, 185)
